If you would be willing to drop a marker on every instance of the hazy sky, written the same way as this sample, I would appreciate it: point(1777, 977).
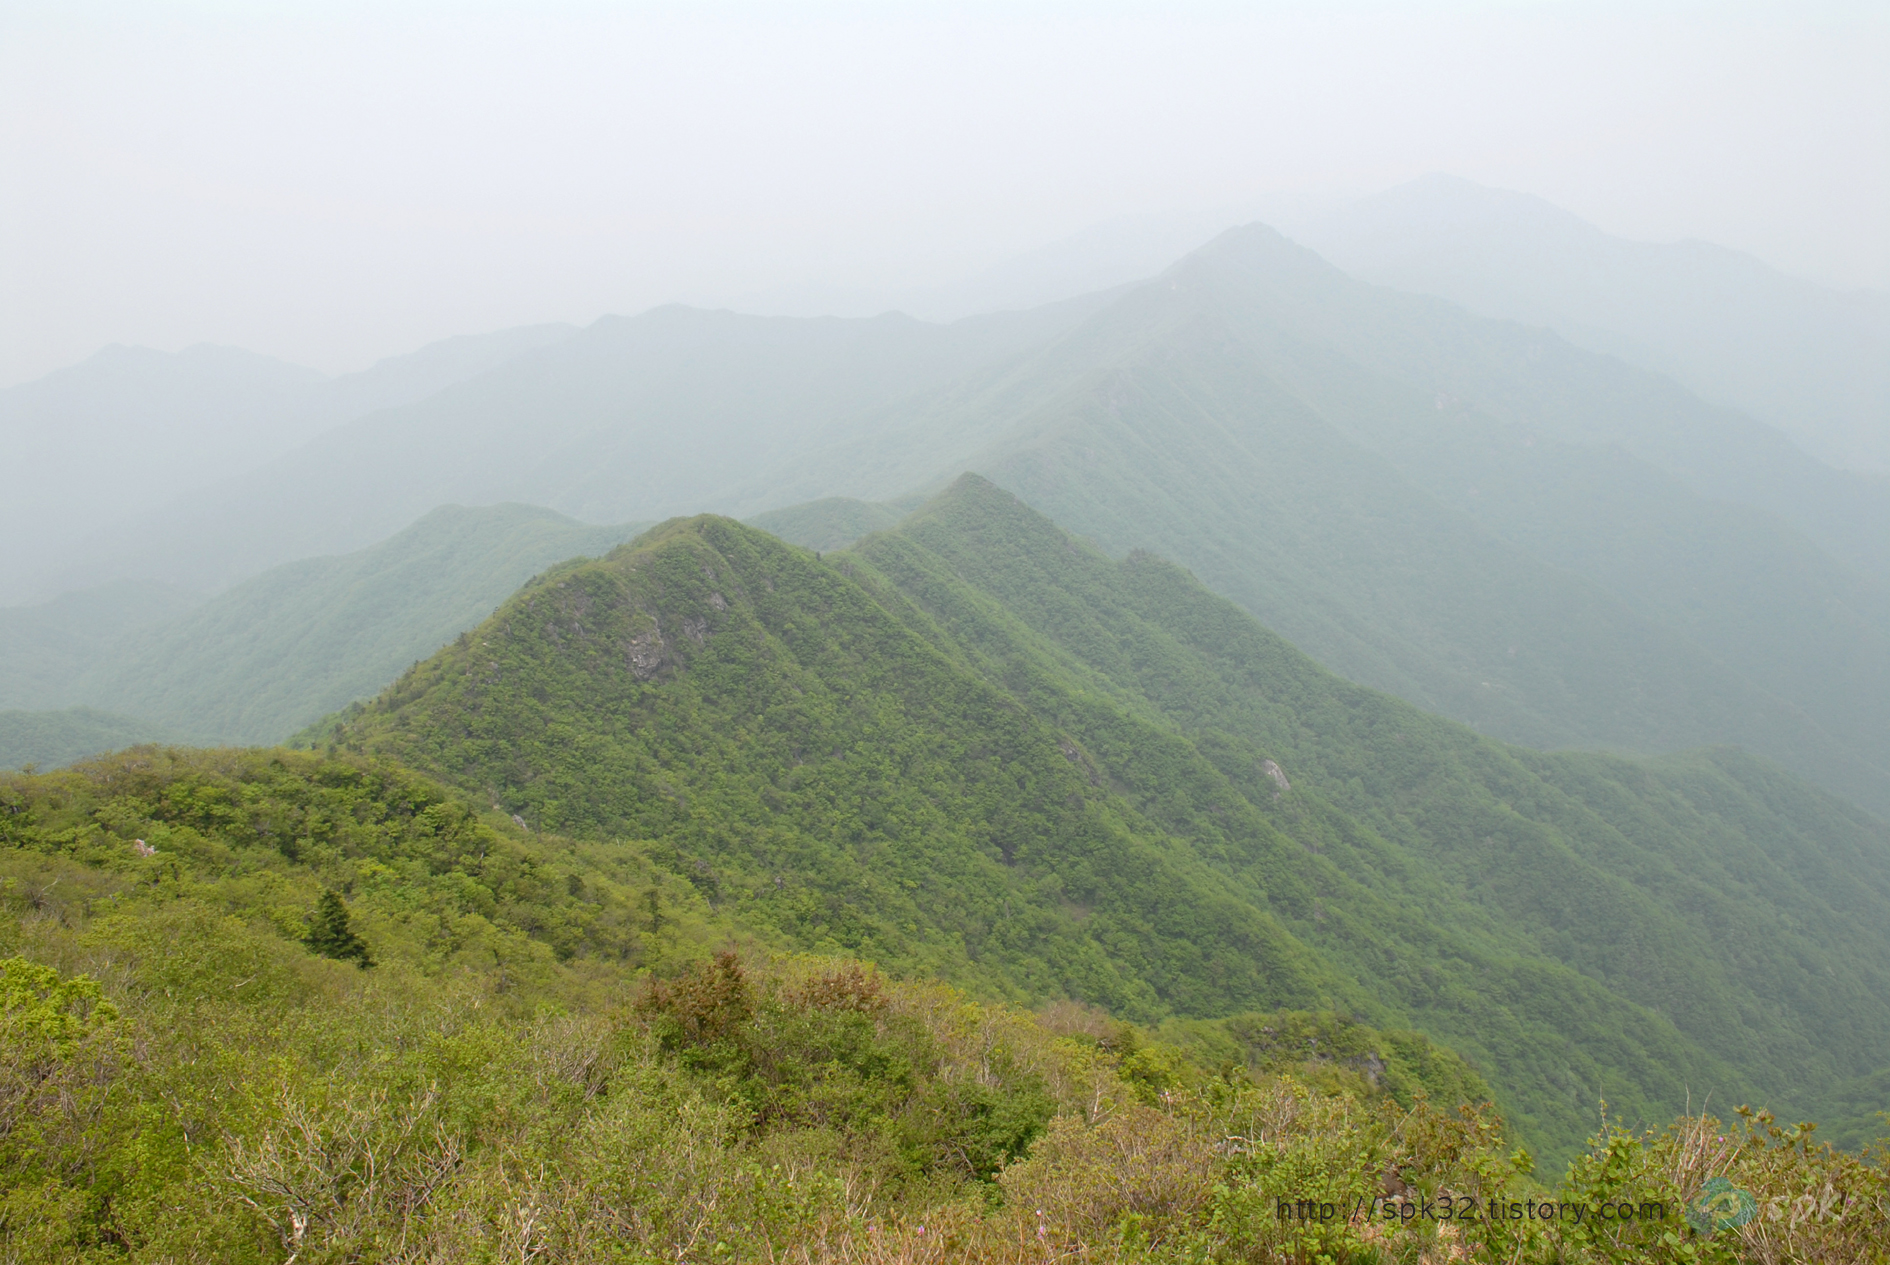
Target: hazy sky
point(335, 182)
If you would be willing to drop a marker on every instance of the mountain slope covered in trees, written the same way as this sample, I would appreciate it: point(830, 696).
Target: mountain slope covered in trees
point(1690, 831)
point(974, 747)
point(48, 739)
point(272, 1006)
point(44, 648)
point(265, 658)
point(1553, 546)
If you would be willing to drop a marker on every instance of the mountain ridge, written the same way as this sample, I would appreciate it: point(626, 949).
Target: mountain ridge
point(268, 656)
point(576, 426)
point(825, 727)
point(149, 427)
point(1804, 357)
point(1493, 523)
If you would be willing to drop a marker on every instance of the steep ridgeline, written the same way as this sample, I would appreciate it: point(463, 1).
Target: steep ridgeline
point(973, 746)
point(1552, 546)
point(1815, 362)
point(259, 661)
point(1708, 886)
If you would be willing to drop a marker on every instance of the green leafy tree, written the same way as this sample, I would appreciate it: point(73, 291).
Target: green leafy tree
point(333, 936)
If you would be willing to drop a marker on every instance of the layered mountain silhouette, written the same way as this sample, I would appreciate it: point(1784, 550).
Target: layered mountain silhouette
point(1547, 543)
point(634, 418)
point(261, 660)
point(1478, 516)
point(1426, 682)
point(131, 430)
point(977, 747)
point(1811, 360)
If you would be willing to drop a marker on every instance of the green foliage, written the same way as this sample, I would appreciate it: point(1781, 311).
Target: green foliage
point(44, 647)
point(1334, 1052)
point(281, 649)
point(61, 1045)
point(50, 739)
point(973, 749)
point(832, 523)
point(1678, 885)
point(1269, 1172)
point(332, 936)
point(208, 1089)
point(1542, 543)
point(830, 1055)
point(976, 749)
point(160, 847)
point(829, 774)
point(41, 1009)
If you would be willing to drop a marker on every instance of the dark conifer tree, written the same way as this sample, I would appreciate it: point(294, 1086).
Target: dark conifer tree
point(333, 936)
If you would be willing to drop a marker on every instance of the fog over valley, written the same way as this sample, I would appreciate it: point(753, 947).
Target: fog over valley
point(917, 633)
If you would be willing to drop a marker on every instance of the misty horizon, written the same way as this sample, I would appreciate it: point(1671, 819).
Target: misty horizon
point(333, 191)
point(1099, 257)
point(883, 633)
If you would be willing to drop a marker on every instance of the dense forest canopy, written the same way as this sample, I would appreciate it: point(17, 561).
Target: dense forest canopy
point(973, 747)
point(565, 1051)
point(912, 879)
point(1014, 669)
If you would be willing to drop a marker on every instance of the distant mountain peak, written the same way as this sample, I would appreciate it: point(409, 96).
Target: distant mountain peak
point(1802, 357)
point(1257, 250)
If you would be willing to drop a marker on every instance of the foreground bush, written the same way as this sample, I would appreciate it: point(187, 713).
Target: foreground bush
point(551, 1054)
point(796, 1110)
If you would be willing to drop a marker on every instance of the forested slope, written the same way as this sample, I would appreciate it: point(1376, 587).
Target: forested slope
point(1702, 884)
point(832, 523)
point(51, 738)
point(1553, 547)
point(975, 747)
point(260, 661)
point(268, 1006)
point(44, 648)
point(272, 654)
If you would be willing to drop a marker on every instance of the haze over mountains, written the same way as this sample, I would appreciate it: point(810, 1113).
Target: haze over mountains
point(1803, 357)
point(973, 746)
point(1808, 359)
point(636, 417)
point(131, 430)
point(1334, 714)
point(1254, 668)
point(278, 651)
point(1498, 525)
